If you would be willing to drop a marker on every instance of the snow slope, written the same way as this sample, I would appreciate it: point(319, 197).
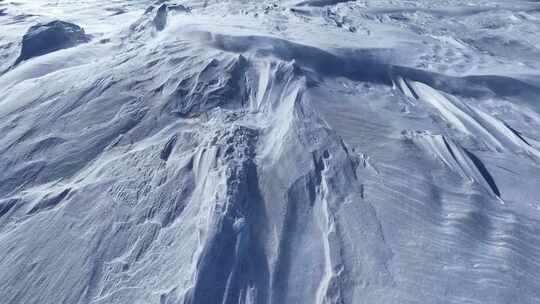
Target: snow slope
point(270, 152)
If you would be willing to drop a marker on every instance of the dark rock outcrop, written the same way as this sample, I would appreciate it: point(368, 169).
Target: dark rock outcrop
point(46, 38)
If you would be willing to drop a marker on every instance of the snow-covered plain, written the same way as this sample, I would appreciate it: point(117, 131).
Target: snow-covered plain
point(315, 151)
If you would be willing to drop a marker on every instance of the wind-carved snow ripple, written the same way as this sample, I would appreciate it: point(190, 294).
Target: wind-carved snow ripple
point(321, 206)
point(219, 82)
point(456, 158)
point(472, 122)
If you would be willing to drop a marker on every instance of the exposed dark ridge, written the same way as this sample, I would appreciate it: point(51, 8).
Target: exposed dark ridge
point(449, 148)
point(166, 152)
point(484, 171)
point(6, 206)
point(160, 20)
point(46, 38)
point(314, 178)
point(319, 165)
point(411, 89)
point(517, 133)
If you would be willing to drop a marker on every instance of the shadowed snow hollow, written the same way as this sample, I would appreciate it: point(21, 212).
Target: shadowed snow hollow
point(269, 152)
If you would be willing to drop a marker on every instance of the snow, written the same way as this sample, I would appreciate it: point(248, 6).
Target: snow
point(194, 151)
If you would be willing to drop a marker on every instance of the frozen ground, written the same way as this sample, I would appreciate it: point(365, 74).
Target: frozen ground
point(269, 152)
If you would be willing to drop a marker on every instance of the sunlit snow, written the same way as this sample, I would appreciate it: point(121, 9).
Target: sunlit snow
point(269, 152)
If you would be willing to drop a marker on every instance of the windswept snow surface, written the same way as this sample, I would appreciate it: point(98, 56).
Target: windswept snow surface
point(269, 152)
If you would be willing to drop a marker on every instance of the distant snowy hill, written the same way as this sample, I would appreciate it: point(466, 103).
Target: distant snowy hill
point(269, 152)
